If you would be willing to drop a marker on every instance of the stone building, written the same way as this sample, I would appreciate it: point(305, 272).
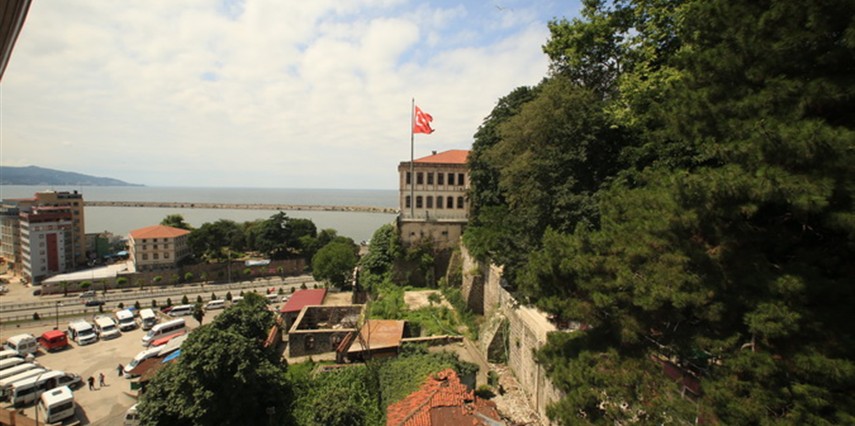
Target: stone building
point(433, 198)
point(321, 329)
point(157, 247)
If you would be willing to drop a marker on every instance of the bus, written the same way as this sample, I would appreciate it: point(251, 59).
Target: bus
point(162, 330)
point(57, 404)
point(28, 390)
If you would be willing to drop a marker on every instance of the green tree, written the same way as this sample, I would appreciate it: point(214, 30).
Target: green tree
point(213, 241)
point(184, 300)
point(156, 280)
point(188, 277)
point(85, 285)
point(250, 318)
point(334, 263)
point(64, 286)
point(198, 312)
point(176, 221)
point(121, 282)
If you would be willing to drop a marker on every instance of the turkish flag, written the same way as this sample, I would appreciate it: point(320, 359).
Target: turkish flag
point(421, 124)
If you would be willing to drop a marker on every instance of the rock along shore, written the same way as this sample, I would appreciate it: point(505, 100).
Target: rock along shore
point(230, 206)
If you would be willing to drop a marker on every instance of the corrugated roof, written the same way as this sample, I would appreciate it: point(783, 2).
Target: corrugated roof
point(454, 156)
point(378, 334)
point(302, 298)
point(158, 231)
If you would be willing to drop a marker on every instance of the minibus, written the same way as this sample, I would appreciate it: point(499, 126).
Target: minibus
point(6, 384)
point(162, 330)
point(29, 390)
point(126, 320)
point(181, 310)
point(148, 319)
point(23, 343)
point(82, 332)
point(10, 362)
point(215, 304)
point(140, 357)
point(106, 328)
point(8, 353)
point(57, 404)
point(53, 340)
point(20, 368)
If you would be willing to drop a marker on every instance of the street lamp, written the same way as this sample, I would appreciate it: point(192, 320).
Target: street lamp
point(58, 304)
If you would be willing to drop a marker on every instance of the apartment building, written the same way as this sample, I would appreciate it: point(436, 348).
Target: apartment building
point(433, 197)
point(45, 241)
point(157, 247)
point(74, 201)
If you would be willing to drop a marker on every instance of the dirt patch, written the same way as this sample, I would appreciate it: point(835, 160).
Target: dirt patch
point(338, 299)
point(419, 299)
point(511, 400)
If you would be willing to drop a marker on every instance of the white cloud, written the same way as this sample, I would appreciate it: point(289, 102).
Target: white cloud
point(257, 93)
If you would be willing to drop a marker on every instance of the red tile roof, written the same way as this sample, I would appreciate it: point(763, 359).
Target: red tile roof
point(442, 400)
point(302, 298)
point(158, 231)
point(454, 156)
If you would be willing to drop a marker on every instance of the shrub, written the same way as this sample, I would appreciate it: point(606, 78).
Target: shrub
point(36, 316)
point(137, 305)
point(484, 392)
point(168, 301)
point(121, 305)
point(184, 300)
point(229, 296)
point(199, 299)
point(153, 303)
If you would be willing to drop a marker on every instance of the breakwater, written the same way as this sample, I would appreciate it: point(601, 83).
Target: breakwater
point(242, 206)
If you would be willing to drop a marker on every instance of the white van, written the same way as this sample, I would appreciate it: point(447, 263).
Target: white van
point(81, 332)
point(10, 362)
point(273, 298)
point(148, 319)
point(162, 330)
point(29, 390)
point(20, 368)
point(181, 310)
point(106, 327)
point(140, 357)
point(126, 320)
point(57, 404)
point(132, 417)
point(215, 304)
point(8, 353)
point(23, 343)
point(6, 384)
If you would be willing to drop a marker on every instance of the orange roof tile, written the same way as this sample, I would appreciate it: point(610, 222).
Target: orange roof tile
point(158, 231)
point(442, 400)
point(454, 156)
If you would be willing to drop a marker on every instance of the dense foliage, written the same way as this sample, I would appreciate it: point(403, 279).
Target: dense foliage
point(224, 376)
point(682, 184)
point(334, 263)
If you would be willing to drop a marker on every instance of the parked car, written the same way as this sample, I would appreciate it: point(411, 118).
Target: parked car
point(94, 302)
point(53, 340)
point(87, 294)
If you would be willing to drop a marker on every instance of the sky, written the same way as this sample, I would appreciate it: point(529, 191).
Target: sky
point(269, 94)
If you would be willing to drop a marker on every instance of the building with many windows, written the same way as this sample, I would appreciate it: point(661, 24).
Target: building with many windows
point(45, 242)
point(433, 197)
point(157, 247)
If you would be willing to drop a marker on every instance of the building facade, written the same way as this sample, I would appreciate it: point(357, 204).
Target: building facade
point(157, 247)
point(45, 242)
point(74, 202)
point(433, 198)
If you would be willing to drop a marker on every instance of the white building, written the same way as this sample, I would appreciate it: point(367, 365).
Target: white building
point(157, 247)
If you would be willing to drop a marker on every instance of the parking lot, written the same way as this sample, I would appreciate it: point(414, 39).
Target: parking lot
point(105, 405)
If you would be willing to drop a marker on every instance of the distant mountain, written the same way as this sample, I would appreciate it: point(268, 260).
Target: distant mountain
point(32, 175)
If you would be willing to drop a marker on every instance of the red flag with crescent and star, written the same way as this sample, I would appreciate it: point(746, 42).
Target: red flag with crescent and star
point(421, 123)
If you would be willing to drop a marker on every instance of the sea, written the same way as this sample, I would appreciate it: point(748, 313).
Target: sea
point(359, 226)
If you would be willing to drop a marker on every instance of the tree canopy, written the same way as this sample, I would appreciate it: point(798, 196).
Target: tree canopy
point(334, 263)
point(682, 184)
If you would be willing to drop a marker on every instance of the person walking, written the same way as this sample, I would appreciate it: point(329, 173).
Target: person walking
point(120, 369)
point(101, 382)
point(91, 381)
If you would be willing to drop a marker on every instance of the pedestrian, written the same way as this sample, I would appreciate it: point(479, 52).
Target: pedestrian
point(91, 381)
point(101, 382)
point(119, 370)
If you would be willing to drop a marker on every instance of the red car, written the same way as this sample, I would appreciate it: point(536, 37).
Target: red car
point(53, 340)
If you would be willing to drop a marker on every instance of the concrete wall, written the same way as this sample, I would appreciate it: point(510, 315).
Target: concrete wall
point(525, 329)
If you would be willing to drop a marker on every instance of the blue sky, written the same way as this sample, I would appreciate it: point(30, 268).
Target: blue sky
point(312, 94)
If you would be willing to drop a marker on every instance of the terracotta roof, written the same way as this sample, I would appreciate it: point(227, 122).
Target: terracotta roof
point(454, 156)
point(379, 334)
point(158, 231)
point(302, 298)
point(442, 400)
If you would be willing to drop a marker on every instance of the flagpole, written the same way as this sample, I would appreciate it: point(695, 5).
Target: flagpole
point(412, 165)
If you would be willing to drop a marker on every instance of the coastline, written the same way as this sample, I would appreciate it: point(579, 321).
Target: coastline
point(241, 206)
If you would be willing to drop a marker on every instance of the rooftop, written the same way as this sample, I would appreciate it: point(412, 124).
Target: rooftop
point(442, 400)
point(379, 334)
point(158, 231)
point(302, 298)
point(454, 156)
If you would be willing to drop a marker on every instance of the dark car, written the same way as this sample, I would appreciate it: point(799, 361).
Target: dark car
point(94, 302)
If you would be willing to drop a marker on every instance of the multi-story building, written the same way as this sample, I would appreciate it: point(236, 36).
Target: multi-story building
point(433, 198)
point(73, 201)
point(45, 241)
point(10, 234)
point(157, 247)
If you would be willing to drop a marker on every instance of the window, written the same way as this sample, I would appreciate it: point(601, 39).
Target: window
point(145, 256)
point(166, 255)
point(459, 202)
point(409, 178)
point(155, 246)
point(429, 202)
point(407, 202)
point(155, 256)
point(451, 178)
point(440, 178)
point(460, 179)
point(418, 201)
point(449, 202)
point(420, 178)
point(439, 201)
point(430, 178)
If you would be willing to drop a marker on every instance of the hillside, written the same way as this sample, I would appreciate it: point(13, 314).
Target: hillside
point(33, 175)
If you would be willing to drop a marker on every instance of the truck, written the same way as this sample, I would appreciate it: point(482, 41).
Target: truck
point(126, 320)
point(53, 340)
point(82, 332)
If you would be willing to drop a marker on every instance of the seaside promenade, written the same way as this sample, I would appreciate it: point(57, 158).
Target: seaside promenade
point(241, 206)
